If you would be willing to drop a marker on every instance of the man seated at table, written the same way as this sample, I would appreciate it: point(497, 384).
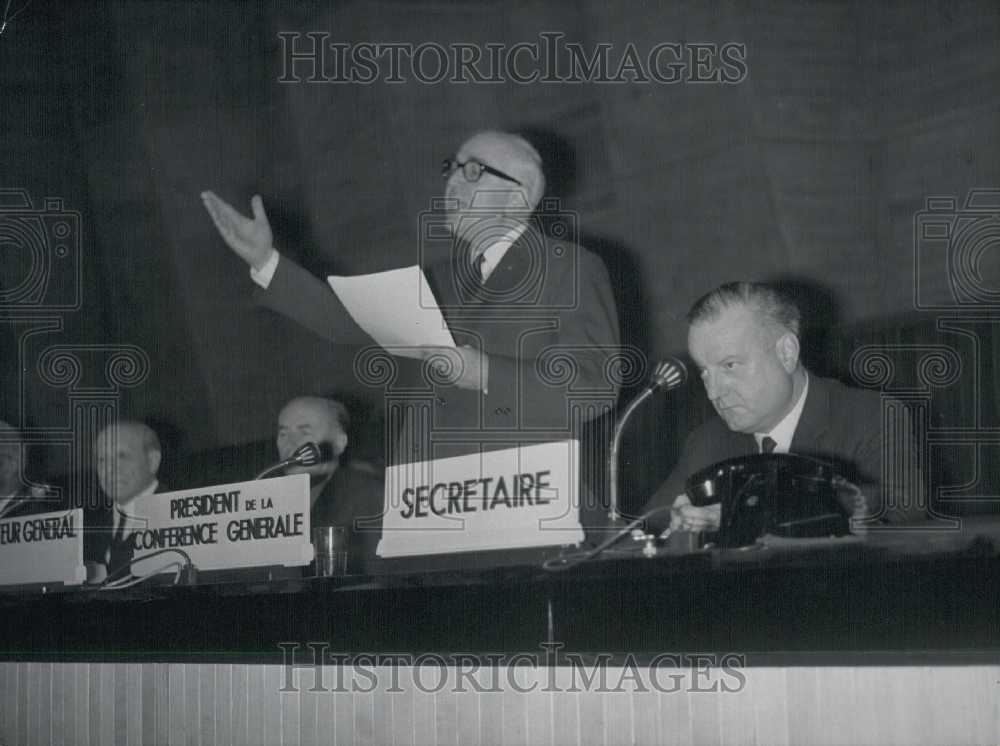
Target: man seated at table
point(340, 495)
point(744, 339)
point(17, 496)
point(11, 495)
point(127, 457)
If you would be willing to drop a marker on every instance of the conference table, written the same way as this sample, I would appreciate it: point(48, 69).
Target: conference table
point(925, 590)
point(798, 626)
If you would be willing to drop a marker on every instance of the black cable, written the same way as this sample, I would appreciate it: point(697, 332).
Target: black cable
point(127, 569)
point(566, 561)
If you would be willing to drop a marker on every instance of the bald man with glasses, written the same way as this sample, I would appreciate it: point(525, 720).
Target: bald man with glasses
point(533, 316)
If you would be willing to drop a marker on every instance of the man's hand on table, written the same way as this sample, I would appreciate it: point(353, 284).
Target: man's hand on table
point(687, 517)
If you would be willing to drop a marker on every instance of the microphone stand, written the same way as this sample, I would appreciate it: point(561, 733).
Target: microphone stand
point(306, 454)
point(616, 440)
point(669, 373)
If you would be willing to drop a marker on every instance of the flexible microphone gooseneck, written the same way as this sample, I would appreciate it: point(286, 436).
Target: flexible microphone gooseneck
point(307, 454)
point(668, 374)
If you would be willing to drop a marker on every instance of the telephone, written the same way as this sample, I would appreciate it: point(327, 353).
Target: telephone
point(777, 493)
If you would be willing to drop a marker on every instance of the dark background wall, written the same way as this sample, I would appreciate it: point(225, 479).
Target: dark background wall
point(810, 170)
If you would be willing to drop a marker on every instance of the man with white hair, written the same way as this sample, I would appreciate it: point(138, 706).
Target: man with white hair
point(533, 316)
point(127, 457)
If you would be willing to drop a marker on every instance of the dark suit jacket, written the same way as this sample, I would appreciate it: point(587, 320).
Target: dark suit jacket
point(24, 504)
point(96, 520)
point(352, 499)
point(838, 424)
point(545, 317)
point(101, 539)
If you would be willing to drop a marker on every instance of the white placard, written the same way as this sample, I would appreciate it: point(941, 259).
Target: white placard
point(396, 308)
point(514, 498)
point(42, 548)
point(245, 524)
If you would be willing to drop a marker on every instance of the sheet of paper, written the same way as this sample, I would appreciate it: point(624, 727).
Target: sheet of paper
point(397, 308)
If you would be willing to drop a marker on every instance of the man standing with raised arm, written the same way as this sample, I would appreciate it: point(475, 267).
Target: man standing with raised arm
point(533, 317)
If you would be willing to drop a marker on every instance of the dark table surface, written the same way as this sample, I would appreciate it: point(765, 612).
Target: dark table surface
point(915, 595)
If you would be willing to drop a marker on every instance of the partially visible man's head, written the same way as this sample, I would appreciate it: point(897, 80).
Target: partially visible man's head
point(744, 338)
point(127, 456)
point(315, 419)
point(471, 200)
point(10, 460)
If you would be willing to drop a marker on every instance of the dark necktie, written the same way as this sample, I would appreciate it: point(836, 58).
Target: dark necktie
point(767, 444)
point(120, 529)
point(119, 551)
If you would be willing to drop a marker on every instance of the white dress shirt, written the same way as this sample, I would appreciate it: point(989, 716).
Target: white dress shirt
point(784, 431)
point(495, 253)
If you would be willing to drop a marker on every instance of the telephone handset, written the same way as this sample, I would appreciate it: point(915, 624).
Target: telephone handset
point(783, 494)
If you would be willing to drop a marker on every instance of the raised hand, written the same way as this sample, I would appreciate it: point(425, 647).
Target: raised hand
point(250, 239)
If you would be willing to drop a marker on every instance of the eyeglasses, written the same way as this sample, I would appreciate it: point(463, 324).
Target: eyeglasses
point(472, 170)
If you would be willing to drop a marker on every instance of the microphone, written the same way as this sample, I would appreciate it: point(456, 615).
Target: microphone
point(307, 454)
point(668, 374)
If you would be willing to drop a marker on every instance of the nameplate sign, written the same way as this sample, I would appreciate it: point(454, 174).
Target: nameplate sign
point(42, 548)
point(246, 524)
point(513, 498)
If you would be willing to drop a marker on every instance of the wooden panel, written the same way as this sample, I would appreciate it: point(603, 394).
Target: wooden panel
point(81, 686)
point(402, 713)
point(831, 705)
point(255, 706)
point(424, 724)
point(222, 720)
point(240, 703)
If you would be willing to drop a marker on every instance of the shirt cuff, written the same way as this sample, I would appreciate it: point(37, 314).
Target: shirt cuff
point(265, 274)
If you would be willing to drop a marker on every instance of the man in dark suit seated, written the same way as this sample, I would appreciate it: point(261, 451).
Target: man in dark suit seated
point(744, 339)
point(11, 496)
point(19, 496)
point(341, 494)
point(16, 498)
point(127, 457)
